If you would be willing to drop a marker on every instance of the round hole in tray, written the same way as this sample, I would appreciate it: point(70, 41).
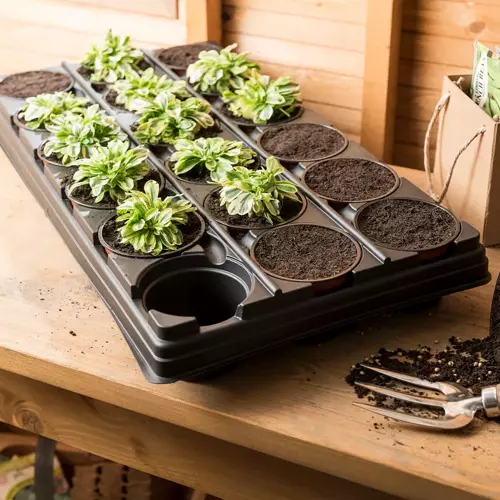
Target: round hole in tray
point(306, 252)
point(350, 180)
point(295, 142)
point(408, 224)
point(32, 83)
point(191, 286)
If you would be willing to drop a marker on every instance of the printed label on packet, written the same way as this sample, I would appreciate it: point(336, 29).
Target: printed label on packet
point(480, 79)
point(485, 85)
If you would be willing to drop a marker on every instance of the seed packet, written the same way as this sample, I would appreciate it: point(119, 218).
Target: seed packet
point(485, 85)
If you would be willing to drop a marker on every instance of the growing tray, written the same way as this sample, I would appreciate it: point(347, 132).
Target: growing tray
point(195, 311)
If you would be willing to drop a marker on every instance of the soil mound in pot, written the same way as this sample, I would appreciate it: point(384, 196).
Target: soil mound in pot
point(302, 141)
point(183, 55)
point(305, 252)
point(111, 235)
point(289, 211)
point(350, 179)
point(407, 224)
point(32, 83)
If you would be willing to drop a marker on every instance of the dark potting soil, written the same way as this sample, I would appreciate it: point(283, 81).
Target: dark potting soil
point(111, 99)
point(289, 210)
point(183, 55)
point(83, 194)
point(32, 83)
point(274, 119)
point(407, 224)
point(305, 252)
point(350, 179)
point(111, 234)
point(302, 141)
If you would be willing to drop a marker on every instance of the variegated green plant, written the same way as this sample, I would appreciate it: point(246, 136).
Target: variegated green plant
point(41, 110)
point(76, 136)
point(261, 99)
point(257, 192)
point(214, 154)
point(167, 119)
point(217, 71)
point(112, 60)
point(150, 223)
point(112, 170)
point(137, 90)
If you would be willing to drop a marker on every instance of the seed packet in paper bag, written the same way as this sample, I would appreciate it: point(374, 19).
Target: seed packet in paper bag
point(485, 85)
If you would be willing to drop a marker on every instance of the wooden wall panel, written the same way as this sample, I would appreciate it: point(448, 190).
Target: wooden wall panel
point(437, 39)
point(320, 44)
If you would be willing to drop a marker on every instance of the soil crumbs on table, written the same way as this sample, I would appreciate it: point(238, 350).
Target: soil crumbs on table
point(473, 364)
point(183, 55)
point(407, 224)
point(111, 234)
point(305, 252)
point(302, 141)
point(289, 210)
point(32, 83)
point(350, 179)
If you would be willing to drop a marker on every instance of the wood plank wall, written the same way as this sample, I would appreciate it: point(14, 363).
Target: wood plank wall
point(319, 43)
point(437, 39)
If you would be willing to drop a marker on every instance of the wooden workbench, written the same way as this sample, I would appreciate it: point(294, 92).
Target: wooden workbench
point(279, 426)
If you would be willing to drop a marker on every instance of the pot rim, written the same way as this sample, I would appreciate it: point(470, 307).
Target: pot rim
point(357, 260)
point(171, 253)
point(396, 185)
point(68, 87)
point(252, 228)
point(107, 206)
point(444, 243)
point(21, 124)
point(44, 159)
point(241, 123)
point(300, 160)
point(181, 68)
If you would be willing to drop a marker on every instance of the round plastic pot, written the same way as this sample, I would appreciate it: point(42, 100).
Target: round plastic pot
point(47, 161)
point(68, 87)
point(319, 285)
point(242, 122)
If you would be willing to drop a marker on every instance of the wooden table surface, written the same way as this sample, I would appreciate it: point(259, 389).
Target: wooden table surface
point(63, 361)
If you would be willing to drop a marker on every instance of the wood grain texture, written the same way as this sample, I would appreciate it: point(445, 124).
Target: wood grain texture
point(163, 449)
point(380, 84)
point(293, 405)
point(203, 20)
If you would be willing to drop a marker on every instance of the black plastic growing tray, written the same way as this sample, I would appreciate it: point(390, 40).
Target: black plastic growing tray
point(218, 304)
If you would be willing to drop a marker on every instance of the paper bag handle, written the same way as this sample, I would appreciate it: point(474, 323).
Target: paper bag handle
point(441, 104)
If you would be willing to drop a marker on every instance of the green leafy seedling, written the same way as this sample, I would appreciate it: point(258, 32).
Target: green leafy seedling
point(112, 60)
point(217, 71)
point(112, 170)
point(76, 136)
point(167, 119)
point(257, 192)
point(150, 223)
point(215, 154)
point(137, 90)
point(41, 110)
point(261, 99)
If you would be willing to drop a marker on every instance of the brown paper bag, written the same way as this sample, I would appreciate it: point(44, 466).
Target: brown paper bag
point(466, 175)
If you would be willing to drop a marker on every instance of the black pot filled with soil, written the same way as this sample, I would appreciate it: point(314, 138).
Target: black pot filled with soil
point(409, 224)
point(307, 253)
point(50, 160)
point(110, 98)
point(290, 211)
point(22, 123)
point(245, 122)
point(181, 56)
point(296, 142)
point(82, 195)
point(110, 239)
point(32, 83)
point(350, 180)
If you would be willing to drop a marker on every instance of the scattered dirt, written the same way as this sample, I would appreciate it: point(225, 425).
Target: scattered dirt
point(183, 55)
point(350, 179)
point(289, 211)
point(31, 83)
point(407, 224)
point(83, 194)
point(112, 236)
point(276, 118)
point(302, 141)
point(305, 252)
